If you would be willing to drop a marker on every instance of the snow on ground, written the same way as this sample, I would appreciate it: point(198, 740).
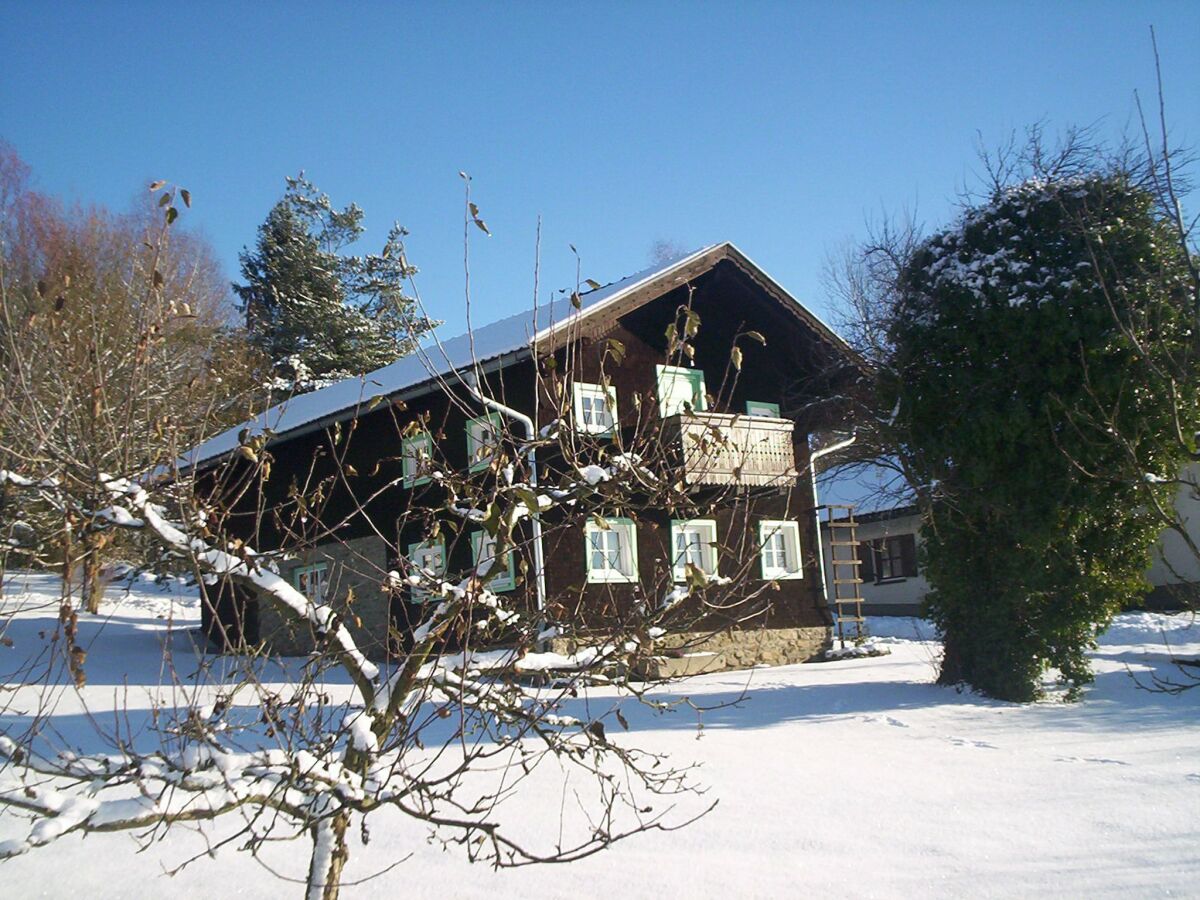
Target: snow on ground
point(856, 778)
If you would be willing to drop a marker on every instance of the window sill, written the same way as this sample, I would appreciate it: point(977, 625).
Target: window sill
point(610, 578)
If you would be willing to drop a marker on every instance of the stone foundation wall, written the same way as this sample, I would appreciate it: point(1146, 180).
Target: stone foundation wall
point(735, 649)
point(743, 648)
point(355, 574)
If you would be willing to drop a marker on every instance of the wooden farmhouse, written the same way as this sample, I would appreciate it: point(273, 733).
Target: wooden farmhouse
point(734, 426)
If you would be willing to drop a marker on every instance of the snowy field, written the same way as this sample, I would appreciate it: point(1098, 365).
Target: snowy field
point(857, 778)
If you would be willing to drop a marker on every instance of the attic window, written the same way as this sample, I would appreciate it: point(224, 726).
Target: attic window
point(762, 408)
point(680, 390)
point(595, 408)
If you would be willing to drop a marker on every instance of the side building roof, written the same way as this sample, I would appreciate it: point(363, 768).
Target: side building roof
point(506, 340)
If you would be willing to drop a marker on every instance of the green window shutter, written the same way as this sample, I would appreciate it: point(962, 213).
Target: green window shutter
point(908, 555)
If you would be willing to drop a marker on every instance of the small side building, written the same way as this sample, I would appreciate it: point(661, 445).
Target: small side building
point(889, 544)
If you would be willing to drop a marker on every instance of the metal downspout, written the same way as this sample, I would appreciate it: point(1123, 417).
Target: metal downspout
point(471, 380)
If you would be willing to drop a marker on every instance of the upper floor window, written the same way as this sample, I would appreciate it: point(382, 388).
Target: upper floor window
point(312, 581)
point(693, 542)
point(595, 408)
point(484, 547)
point(416, 455)
point(680, 390)
point(483, 440)
point(762, 408)
point(780, 543)
point(611, 551)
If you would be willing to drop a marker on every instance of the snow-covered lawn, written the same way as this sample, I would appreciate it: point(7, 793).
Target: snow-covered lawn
point(850, 778)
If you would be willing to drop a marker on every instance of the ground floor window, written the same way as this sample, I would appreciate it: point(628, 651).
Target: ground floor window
point(429, 559)
point(312, 581)
point(780, 543)
point(484, 547)
point(693, 542)
point(890, 558)
point(611, 549)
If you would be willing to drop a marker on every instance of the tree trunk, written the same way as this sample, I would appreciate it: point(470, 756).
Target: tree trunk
point(329, 856)
point(92, 588)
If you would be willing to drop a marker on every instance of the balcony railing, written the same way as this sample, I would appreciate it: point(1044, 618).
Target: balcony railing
point(723, 449)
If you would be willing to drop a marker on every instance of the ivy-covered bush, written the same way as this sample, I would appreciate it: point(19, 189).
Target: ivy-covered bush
point(1035, 383)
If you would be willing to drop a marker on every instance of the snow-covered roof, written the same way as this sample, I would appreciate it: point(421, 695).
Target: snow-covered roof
point(513, 336)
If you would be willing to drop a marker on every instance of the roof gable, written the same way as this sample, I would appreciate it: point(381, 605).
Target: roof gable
point(506, 340)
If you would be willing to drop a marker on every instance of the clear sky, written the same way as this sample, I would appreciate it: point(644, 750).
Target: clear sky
point(781, 127)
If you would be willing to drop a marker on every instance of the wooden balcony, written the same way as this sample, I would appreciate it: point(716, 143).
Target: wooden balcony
point(722, 449)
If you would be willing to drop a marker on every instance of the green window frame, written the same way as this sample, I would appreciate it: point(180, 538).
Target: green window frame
point(675, 383)
point(312, 581)
point(479, 450)
point(483, 546)
point(416, 454)
point(762, 408)
point(418, 557)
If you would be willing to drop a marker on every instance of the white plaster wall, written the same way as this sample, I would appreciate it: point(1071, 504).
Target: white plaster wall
point(1174, 562)
point(903, 592)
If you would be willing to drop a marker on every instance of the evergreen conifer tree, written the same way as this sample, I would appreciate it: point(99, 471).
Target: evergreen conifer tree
point(318, 313)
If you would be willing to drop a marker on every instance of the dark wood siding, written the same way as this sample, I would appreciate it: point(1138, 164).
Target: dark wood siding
point(355, 463)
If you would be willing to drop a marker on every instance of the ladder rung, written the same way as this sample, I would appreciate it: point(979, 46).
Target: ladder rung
point(847, 581)
point(844, 543)
point(842, 523)
point(847, 562)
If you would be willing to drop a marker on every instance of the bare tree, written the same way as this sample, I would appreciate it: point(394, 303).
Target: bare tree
point(114, 333)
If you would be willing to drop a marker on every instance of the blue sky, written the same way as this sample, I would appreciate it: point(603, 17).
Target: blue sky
point(782, 127)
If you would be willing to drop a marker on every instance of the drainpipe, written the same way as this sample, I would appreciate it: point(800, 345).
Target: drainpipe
point(471, 380)
point(812, 468)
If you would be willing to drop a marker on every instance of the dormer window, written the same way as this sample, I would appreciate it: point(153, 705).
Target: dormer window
point(595, 408)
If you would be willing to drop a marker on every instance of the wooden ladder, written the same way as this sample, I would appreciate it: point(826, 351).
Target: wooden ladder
point(845, 571)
